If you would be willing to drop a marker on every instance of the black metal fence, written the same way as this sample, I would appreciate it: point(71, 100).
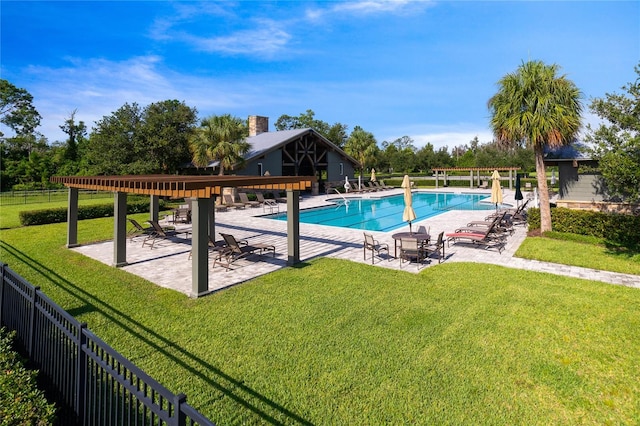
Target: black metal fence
point(48, 195)
point(97, 384)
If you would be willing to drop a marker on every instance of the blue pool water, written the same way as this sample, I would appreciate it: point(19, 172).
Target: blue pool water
point(385, 214)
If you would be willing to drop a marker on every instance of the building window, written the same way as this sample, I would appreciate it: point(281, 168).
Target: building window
point(341, 169)
point(259, 169)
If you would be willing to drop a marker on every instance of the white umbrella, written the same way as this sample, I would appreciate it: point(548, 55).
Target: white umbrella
point(496, 190)
point(408, 215)
point(373, 175)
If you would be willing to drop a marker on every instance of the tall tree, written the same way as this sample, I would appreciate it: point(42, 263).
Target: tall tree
point(16, 109)
point(536, 107)
point(617, 142)
point(336, 133)
point(167, 128)
point(362, 146)
point(221, 138)
point(76, 132)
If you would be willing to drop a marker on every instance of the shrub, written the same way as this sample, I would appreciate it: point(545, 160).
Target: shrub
point(616, 229)
point(21, 402)
point(57, 215)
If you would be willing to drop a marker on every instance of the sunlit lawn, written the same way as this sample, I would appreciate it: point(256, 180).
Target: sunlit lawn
point(336, 342)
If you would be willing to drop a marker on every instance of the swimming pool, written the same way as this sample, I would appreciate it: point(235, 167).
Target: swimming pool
point(385, 214)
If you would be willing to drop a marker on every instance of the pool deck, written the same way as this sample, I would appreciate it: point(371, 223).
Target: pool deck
point(168, 264)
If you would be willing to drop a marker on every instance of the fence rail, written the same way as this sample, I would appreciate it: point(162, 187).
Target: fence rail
point(96, 383)
point(47, 195)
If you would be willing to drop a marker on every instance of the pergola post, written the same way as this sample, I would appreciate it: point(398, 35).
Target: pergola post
point(510, 179)
point(470, 179)
point(154, 208)
point(293, 227)
point(211, 214)
point(199, 246)
point(436, 179)
point(120, 229)
point(72, 218)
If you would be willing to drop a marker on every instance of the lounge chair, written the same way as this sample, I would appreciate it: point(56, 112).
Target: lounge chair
point(228, 201)
point(267, 203)
point(379, 186)
point(218, 246)
point(138, 230)
point(436, 248)
point(372, 187)
point(385, 185)
point(245, 199)
point(235, 250)
point(278, 198)
point(410, 249)
point(182, 214)
point(162, 234)
point(477, 235)
point(374, 246)
point(502, 224)
point(220, 207)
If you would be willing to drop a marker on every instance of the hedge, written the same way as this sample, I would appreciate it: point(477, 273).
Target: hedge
point(616, 229)
point(21, 402)
point(57, 215)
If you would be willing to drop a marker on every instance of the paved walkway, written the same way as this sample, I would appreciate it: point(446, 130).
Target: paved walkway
point(168, 264)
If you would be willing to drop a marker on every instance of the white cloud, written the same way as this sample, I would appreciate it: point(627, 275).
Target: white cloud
point(267, 39)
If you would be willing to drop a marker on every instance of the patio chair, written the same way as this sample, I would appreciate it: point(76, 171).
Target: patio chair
point(278, 198)
point(234, 251)
point(374, 246)
point(245, 199)
point(267, 203)
point(486, 237)
point(436, 248)
point(162, 234)
point(228, 201)
point(182, 214)
point(385, 185)
point(218, 246)
point(412, 249)
point(138, 230)
point(379, 186)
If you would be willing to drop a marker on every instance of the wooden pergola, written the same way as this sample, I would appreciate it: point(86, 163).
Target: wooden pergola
point(203, 190)
point(475, 170)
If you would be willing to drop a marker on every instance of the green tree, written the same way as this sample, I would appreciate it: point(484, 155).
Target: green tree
point(617, 142)
point(220, 138)
point(16, 109)
point(336, 133)
point(167, 128)
point(536, 108)
point(114, 147)
point(133, 140)
point(76, 132)
point(362, 146)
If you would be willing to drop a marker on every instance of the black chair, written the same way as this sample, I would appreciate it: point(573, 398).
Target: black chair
point(374, 246)
point(436, 248)
point(412, 249)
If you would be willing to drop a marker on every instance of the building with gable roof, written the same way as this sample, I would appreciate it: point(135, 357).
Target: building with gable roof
point(296, 152)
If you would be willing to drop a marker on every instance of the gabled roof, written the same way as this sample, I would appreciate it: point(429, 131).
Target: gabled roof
point(270, 141)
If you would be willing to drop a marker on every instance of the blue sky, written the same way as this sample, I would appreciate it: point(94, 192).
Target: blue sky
point(417, 68)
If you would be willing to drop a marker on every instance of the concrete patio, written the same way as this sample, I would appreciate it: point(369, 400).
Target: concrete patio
point(168, 265)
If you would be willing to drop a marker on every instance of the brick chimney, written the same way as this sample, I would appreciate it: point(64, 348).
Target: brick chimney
point(258, 125)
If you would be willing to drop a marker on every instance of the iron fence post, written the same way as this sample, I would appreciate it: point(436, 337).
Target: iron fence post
point(81, 373)
point(32, 320)
point(3, 265)
point(179, 418)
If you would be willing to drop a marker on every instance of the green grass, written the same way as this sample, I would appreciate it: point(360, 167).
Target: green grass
point(577, 250)
point(336, 342)
point(9, 214)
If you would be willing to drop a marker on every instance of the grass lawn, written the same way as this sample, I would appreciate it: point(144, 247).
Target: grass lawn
point(336, 342)
point(576, 250)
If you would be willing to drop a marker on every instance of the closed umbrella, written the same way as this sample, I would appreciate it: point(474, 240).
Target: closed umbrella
point(496, 190)
point(518, 195)
point(408, 215)
point(373, 175)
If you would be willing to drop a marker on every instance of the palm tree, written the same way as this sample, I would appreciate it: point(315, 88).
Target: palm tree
point(537, 108)
point(362, 146)
point(221, 138)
